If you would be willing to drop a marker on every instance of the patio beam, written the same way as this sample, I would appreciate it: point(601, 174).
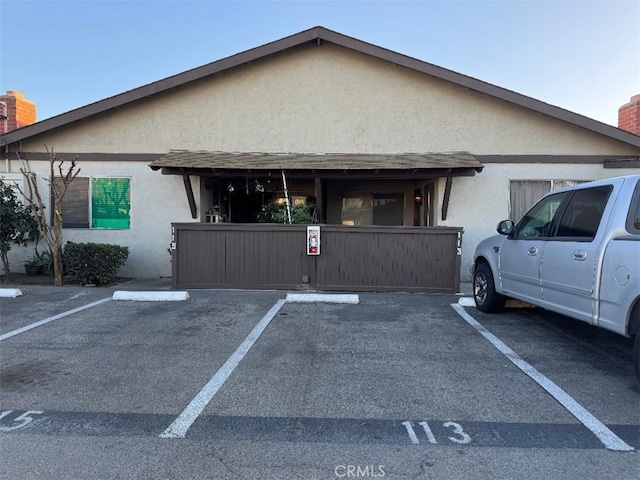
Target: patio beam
point(319, 200)
point(189, 189)
point(446, 196)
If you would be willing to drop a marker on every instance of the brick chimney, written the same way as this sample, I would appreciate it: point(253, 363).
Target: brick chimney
point(15, 111)
point(629, 116)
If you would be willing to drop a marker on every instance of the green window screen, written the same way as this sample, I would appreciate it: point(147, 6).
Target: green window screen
point(110, 203)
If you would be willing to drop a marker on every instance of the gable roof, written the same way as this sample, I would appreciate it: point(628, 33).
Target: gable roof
point(318, 35)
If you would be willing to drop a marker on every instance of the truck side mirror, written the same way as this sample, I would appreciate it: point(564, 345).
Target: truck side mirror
point(505, 227)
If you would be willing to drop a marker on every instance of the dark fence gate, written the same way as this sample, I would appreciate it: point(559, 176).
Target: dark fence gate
point(274, 256)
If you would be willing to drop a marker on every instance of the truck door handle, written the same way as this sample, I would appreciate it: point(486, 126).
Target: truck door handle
point(579, 255)
point(532, 251)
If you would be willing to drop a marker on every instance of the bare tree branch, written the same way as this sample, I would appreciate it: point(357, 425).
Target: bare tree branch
point(51, 233)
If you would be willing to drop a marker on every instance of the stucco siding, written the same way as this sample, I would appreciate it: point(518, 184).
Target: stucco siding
point(326, 99)
point(156, 201)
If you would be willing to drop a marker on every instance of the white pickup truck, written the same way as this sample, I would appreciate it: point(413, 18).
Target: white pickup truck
point(575, 252)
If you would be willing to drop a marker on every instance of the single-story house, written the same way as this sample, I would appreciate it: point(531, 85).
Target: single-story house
point(372, 137)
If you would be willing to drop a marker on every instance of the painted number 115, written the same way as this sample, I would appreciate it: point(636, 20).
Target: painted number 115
point(20, 421)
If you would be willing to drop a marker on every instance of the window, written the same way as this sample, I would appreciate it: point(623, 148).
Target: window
point(537, 222)
point(633, 218)
point(583, 213)
point(525, 193)
point(97, 203)
point(110, 203)
point(357, 210)
point(16, 182)
point(75, 204)
point(373, 209)
point(388, 209)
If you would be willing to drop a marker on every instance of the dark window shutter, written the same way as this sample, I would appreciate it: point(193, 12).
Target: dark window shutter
point(75, 205)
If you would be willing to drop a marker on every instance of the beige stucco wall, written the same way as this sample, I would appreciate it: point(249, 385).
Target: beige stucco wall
point(326, 99)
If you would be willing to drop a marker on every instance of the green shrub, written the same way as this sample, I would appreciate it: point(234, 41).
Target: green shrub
point(272, 213)
point(95, 263)
point(303, 214)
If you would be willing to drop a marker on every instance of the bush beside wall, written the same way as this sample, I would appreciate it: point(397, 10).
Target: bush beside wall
point(93, 263)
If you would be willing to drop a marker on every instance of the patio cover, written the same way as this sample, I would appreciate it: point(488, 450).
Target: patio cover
point(327, 165)
point(180, 162)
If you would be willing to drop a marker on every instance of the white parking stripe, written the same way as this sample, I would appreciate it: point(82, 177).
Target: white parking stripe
point(179, 427)
point(610, 440)
point(51, 319)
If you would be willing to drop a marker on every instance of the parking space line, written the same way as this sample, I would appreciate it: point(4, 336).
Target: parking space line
point(179, 427)
point(51, 319)
point(610, 440)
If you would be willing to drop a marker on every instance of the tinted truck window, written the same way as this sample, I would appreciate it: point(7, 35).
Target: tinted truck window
point(583, 213)
point(537, 221)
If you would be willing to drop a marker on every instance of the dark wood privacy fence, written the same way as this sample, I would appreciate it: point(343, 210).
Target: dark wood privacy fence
point(274, 256)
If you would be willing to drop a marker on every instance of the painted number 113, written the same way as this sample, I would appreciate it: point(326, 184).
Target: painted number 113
point(458, 435)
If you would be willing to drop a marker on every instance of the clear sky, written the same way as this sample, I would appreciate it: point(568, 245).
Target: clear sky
point(580, 55)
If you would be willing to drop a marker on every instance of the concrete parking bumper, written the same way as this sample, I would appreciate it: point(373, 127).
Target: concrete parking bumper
point(150, 296)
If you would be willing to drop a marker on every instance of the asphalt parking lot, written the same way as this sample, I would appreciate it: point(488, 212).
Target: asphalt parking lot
point(237, 384)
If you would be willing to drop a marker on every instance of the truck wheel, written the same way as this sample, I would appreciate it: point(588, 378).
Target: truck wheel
point(636, 355)
point(484, 290)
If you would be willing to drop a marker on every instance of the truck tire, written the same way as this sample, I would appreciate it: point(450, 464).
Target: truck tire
point(484, 290)
point(636, 355)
